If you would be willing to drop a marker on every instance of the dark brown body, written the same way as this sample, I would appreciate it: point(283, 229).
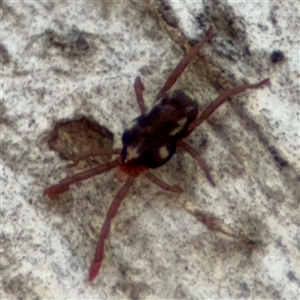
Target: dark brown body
point(151, 138)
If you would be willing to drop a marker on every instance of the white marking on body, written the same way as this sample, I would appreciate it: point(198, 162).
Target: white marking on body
point(163, 152)
point(132, 153)
point(189, 108)
point(190, 95)
point(181, 124)
point(131, 125)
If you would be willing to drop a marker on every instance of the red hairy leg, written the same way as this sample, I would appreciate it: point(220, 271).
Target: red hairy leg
point(163, 185)
point(194, 153)
point(64, 184)
point(139, 88)
point(98, 152)
point(96, 264)
point(183, 64)
point(210, 109)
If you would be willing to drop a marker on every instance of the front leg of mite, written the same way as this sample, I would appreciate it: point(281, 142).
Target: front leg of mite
point(139, 88)
point(97, 152)
point(183, 64)
point(99, 254)
point(64, 184)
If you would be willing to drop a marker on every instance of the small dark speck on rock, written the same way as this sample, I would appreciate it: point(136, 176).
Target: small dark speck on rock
point(201, 20)
point(168, 14)
point(82, 44)
point(193, 42)
point(276, 56)
point(291, 276)
point(31, 122)
point(246, 51)
point(244, 287)
point(204, 142)
point(138, 291)
point(262, 27)
point(4, 55)
point(277, 157)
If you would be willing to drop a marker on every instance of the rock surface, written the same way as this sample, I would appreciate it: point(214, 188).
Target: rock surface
point(64, 60)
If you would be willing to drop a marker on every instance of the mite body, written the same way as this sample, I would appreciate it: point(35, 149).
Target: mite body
point(150, 141)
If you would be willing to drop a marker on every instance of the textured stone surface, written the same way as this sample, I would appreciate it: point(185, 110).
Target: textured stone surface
point(62, 60)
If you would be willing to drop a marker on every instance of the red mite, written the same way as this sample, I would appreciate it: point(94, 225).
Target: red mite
point(151, 140)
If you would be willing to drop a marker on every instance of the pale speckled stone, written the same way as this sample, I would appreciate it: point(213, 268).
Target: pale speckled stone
point(156, 250)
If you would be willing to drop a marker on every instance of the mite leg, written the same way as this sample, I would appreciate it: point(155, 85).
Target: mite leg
point(96, 264)
point(98, 152)
point(209, 110)
point(64, 184)
point(162, 184)
point(183, 64)
point(216, 224)
point(139, 88)
point(194, 153)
